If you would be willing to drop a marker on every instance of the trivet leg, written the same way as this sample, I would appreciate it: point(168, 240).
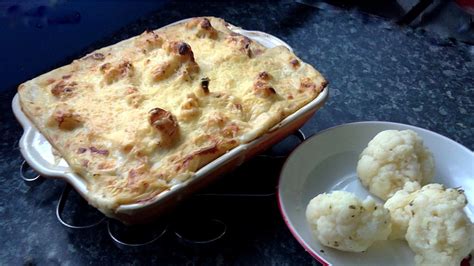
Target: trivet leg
point(60, 207)
point(119, 232)
point(29, 180)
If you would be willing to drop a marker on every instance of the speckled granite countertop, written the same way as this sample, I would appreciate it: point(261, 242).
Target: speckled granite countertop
point(377, 71)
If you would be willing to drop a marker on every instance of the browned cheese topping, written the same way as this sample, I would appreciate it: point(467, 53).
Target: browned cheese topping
point(134, 118)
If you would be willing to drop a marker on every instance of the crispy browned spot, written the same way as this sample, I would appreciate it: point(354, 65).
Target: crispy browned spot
point(148, 41)
point(127, 148)
point(263, 76)
point(295, 63)
point(242, 43)
point(262, 87)
point(184, 49)
point(96, 56)
point(203, 28)
point(180, 48)
point(165, 123)
point(238, 106)
point(64, 89)
point(181, 62)
point(306, 84)
point(65, 119)
point(125, 67)
point(114, 73)
point(105, 67)
point(99, 151)
point(206, 24)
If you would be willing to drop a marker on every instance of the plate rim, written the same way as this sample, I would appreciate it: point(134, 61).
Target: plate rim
point(283, 213)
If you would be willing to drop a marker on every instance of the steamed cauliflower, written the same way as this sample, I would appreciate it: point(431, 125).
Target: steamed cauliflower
point(342, 221)
point(393, 158)
point(400, 209)
point(433, 222)
point(440, 232)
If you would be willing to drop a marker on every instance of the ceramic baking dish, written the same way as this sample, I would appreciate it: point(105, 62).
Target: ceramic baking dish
point(39, 153)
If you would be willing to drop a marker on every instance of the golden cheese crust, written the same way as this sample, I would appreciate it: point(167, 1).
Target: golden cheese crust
point(136, 117)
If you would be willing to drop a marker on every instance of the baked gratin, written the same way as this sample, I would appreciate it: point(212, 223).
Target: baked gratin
point(134, 118)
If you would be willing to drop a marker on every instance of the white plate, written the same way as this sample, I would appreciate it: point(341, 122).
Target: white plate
point(327, 162)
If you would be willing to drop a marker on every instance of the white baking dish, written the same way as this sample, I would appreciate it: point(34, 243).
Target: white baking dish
point(39, 153)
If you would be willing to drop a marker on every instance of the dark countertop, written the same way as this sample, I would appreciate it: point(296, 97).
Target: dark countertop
point(377, 71)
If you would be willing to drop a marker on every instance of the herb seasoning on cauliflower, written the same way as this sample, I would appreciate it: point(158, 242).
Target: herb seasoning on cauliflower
point(440, 232)
point(393, 158)
point(400, 206)
point(434, 223)
point(342, 221)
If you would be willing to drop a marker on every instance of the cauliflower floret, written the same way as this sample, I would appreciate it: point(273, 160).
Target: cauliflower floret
point(439, 231)
point(393, 158)
point(342, 221)
point(400, 208)
point(433, 222)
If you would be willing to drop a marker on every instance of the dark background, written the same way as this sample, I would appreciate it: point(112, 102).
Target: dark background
point(421, 74)
point(41, 35)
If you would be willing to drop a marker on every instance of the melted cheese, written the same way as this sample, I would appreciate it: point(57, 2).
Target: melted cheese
point(136, 117)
